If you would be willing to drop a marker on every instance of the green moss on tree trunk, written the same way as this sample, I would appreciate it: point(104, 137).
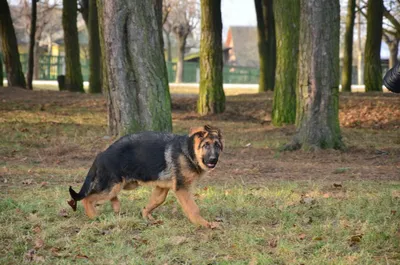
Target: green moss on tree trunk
point(9, 47)
point(348, 47)
point(284, 104)
point(94, 49)
point(211, 95)
point(135, 78)
point(372, 66)
point(317, 118)
point(266, 44)
point(73, 73)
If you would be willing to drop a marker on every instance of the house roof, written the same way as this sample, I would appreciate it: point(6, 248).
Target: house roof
point(243, 41)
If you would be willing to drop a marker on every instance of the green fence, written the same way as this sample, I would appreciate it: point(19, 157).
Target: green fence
point(52, 66)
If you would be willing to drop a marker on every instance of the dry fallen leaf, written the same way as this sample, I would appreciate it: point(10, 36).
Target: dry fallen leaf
point(37, 229)
point(27, 182)
point(273, 243)
point(219, 219)
point(337, 185)
point(81, 256)
point(302, 236)
point(63, 212)
point(317, 238)
point(39, 243)
point(43, 184)
point(307, 200)
point(356, 238)
point(30, 254)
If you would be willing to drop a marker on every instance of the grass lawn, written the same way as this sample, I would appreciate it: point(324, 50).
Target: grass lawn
point(325, 207)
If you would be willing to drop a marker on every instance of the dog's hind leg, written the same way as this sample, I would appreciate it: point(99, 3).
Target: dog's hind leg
point(157, 198)
point(88, 204)
point(116, 205)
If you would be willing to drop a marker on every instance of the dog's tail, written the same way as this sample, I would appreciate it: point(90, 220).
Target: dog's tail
point(83, 192)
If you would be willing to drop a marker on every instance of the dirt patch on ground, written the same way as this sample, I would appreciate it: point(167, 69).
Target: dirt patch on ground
point(370, 124)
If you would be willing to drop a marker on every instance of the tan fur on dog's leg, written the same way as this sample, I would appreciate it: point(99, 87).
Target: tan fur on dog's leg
point(116, 205)
point(90, 210)
point(191, 209)
point(157, 198)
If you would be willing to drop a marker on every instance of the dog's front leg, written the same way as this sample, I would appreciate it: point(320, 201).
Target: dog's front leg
point(191, 209)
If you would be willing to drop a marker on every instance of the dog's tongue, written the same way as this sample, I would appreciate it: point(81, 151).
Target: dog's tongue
point(211, 165)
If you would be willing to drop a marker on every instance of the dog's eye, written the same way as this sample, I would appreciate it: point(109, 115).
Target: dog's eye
point(217, 145)
point(207, 146)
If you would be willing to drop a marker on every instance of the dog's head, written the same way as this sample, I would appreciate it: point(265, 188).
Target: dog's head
point(207, 145)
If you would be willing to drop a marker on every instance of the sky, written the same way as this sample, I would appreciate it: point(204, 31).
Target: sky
point(237, 13)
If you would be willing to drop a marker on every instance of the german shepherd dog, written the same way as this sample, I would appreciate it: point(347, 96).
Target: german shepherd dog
point(162, 160)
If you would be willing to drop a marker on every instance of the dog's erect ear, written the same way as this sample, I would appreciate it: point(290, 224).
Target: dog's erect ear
point(214, 130)
point(201, 131)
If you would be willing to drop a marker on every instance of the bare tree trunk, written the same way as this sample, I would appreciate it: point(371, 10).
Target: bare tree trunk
point(36, 61)
point(284, 104)
point(94, 49)
point(84, 10)
point(348, 47)
point(394, 49)
point(9, 47)
point(266, 44)
point(32, 41)
point(111, 115)
point(372, 67)
point(73, 73)
point(169, 50)
point(1, 71)
point(135, 80)
point(181, 58)
point(317, 98)
point(211, 95)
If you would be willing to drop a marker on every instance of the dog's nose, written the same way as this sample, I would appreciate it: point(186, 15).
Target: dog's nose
point(213, 160)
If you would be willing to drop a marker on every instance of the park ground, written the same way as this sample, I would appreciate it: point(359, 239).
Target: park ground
point(274, 207)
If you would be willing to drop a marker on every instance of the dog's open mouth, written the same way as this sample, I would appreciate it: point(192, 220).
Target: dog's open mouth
point(211, 165)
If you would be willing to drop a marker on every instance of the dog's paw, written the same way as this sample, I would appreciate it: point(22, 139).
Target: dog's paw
point(214, 225)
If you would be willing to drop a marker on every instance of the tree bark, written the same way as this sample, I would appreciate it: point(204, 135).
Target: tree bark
point(36, 61)
point(348, 47)
point(73, 72)
point(266, 44)
point(317, 119)
point(135, 80)
point(181, 58)
point(94, 49)
point(211, 94)
point(394, 50)
point(372, 66)
point(1, 71)
point(9, 47)
point(360, 52)
point(169, 50)
point(32, 41)
point(284, 104)
point(84, 10)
